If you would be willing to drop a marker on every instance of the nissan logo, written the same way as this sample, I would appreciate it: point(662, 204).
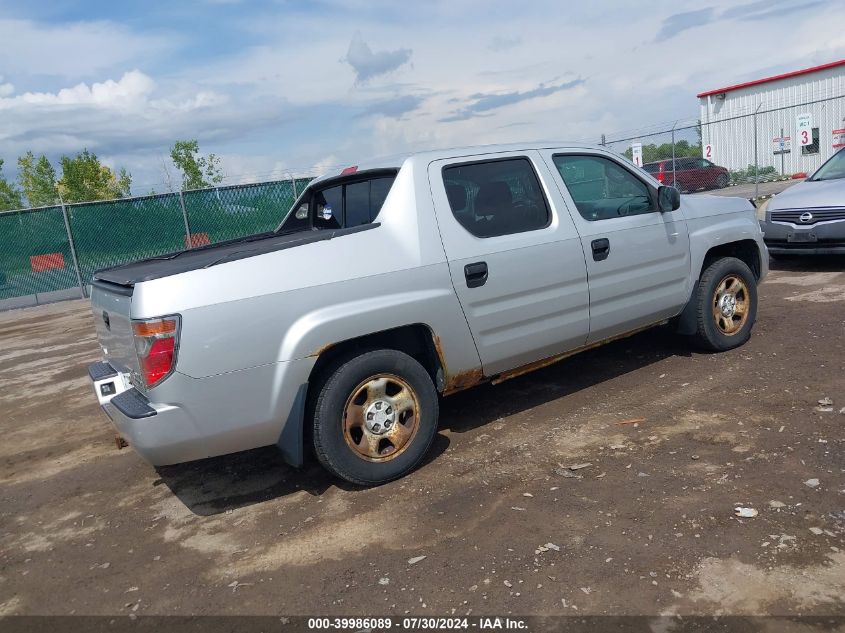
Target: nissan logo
point(805, 217)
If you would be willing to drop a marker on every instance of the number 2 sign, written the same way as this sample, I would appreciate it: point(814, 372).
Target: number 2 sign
point(804, 125)
point(708, 151)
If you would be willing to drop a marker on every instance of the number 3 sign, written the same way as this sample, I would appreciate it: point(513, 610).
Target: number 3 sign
point(804, 125)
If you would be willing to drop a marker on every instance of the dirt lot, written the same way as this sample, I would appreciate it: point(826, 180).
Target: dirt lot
point(648, 527)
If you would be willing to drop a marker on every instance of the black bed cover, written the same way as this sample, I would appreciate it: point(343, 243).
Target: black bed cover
point(213, 254)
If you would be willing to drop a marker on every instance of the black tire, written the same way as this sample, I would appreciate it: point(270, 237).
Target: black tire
point(331, 440)
point(710, 334)
point(722, 181)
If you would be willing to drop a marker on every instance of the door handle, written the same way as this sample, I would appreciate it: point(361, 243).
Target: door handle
point(601, 249)
point(476, 274)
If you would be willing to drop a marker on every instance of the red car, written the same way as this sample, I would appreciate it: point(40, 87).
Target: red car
point(690, 174)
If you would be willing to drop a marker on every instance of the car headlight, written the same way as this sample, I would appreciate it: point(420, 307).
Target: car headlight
point(761, 209)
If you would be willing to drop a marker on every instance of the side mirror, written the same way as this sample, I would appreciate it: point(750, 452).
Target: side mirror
point(668, 199)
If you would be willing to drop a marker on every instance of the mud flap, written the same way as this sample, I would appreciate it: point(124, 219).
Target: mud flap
point(687, 323)
point(290, 442)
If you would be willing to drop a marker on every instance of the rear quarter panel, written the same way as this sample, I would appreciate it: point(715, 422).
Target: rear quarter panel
point(293, 303)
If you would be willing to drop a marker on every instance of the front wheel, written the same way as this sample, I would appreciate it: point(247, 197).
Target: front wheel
point(721, 181)
point(727, 304)
point(375, 417)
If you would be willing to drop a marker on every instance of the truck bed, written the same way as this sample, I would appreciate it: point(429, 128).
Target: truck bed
point(213, 254)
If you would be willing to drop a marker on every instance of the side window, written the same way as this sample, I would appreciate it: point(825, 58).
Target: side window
point(379, 188)
point(497, 197)
point(328, 211)
point(357, 204)
point(344, 205)
point(297, 219)
point(601, 188)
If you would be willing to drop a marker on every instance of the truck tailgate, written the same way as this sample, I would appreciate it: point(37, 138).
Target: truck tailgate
point(114, 327)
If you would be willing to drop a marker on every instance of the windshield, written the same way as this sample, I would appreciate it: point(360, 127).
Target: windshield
point(832, 169)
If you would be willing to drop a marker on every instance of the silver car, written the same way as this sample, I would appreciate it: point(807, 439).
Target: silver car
point(809, 218)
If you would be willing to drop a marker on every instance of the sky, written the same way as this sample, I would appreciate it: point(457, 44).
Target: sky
point(285, 87)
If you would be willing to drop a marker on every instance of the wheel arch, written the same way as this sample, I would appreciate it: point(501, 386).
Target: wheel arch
point(745, 250)
point(417, 340)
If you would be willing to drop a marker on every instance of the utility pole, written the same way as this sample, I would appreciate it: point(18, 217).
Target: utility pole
point(72, 248)
point(756, 168)
point(188, 241)
point(673, 154)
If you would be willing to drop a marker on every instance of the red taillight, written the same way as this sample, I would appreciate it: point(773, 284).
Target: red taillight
point(155, 343)
point(349, 170)
point(661, 176)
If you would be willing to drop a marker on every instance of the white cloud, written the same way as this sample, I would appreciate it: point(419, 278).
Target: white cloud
point(126, 119)
point(132, 88)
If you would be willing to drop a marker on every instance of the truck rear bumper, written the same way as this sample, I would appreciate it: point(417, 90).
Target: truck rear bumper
point(185, 418)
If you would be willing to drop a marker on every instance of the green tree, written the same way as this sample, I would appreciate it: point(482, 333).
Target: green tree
point(653, 152)
point(197, 171)
point(85, 178)
point(37, 178)
point(10, 198)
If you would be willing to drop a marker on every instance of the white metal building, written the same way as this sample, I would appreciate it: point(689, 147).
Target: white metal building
point(734, 117)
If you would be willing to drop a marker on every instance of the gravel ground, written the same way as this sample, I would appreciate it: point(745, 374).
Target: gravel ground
point(646, 526)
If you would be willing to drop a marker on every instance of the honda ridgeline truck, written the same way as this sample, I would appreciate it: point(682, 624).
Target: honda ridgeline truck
point(394, 283)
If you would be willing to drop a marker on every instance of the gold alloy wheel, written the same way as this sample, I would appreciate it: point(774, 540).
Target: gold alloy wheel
point(730, 305)
point(381, 417)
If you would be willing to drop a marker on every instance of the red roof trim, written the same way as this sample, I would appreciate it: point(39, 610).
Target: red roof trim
point(794, 73)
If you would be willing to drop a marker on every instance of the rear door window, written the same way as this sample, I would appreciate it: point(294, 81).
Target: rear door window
point(497, 197)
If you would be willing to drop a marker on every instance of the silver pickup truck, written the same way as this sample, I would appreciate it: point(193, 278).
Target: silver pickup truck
point(391, 284)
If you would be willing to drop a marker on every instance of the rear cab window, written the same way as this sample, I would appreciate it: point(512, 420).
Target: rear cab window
point(496, 197)
point(342, 203)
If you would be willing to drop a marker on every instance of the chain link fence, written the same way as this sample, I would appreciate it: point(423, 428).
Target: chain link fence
point(51, 253)
point(744, 145)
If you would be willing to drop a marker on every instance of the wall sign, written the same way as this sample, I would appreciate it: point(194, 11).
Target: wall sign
point(781, 145)
point(804, 127)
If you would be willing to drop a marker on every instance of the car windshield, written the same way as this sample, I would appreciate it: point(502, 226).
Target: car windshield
point(832, 169)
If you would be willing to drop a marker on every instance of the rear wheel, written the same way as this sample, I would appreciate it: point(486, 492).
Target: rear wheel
point(375, 417)
point(727, 304)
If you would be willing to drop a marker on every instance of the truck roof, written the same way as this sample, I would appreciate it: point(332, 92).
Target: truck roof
point(395, 161)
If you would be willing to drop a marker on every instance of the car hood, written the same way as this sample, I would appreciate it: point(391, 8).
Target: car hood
point(811, 194)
